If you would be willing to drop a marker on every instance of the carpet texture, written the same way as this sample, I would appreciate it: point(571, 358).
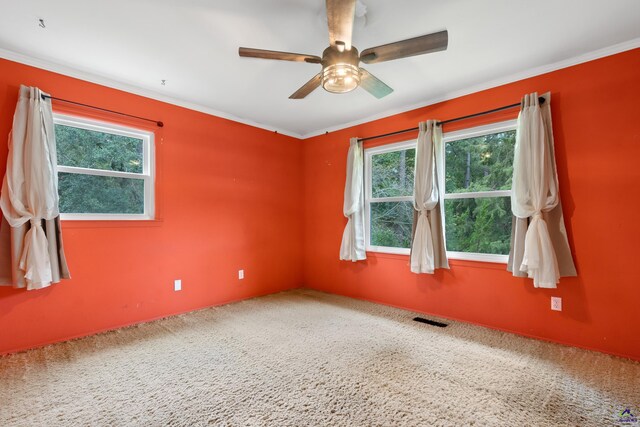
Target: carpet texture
point(304, 358)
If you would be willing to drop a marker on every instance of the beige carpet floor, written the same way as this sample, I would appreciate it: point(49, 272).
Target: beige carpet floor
point(304, 358)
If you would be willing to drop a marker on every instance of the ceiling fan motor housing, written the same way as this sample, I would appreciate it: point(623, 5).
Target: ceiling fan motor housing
point(340, 70)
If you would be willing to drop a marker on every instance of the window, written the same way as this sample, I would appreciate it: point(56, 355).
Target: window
point(104, 171)
point(389, 197)
point(477, 203)
point(478, 166)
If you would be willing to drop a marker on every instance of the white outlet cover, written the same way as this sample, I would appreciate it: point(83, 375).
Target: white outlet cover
point(177, 285)
point(240, 274)
point(556, 303)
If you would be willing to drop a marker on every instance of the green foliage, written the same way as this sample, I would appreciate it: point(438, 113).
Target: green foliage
point(98, 150)
point(84, 148)
point(484, 163)
point(481, 225)
point(391, 224)
point(100, 194)
point(392, 173)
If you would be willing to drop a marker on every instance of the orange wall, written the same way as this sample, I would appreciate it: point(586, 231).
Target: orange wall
point(596, 117)
point(227, 197)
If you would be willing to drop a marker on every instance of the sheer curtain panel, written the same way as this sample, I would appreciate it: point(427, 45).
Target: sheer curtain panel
point(428, 248)
point(31, 252)
point(353, 245)
point(539, 245)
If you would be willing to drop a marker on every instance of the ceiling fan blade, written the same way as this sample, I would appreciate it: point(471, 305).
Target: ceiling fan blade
point(282, 56)
point(308, 87)
point(340, 15)
point(403, 49)
point(373, 85)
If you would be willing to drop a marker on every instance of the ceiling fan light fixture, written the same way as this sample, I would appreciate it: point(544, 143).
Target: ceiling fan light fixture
point(340, 69)
point(340, 78)
point(341, 72)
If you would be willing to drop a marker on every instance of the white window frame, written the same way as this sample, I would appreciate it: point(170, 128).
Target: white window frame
point(505, 126)
point(148, 167)
point(447, 137)
point(368, 198)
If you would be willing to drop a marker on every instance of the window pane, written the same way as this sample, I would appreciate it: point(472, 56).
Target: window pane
point(481, 225)
point(484, 163)
point(100, 194)
point(391, 224)
point(98, 150)
point(392, 173)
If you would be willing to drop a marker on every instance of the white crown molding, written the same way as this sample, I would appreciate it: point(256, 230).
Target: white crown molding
point(114, 84)
point(105, 81)
point(532, 72)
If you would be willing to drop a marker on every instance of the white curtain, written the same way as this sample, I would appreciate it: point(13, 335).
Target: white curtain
point(428, 248)
point(353, 245)
point(538, 233)
point(29, 199)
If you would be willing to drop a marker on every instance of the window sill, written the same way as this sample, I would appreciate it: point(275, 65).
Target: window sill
point(110, 223)
point(388, 250)
point(468, 256)
point(458, 258)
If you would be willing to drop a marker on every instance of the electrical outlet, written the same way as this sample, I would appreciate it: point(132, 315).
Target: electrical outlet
point(556, 303)
point(177, 285)
point(240, 274)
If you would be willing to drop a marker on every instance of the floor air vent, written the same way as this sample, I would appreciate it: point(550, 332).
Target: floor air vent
point(430, 322)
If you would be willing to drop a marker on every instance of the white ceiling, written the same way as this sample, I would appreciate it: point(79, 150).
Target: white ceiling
point(193, 44)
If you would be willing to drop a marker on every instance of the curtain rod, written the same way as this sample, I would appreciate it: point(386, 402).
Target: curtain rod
point(444, 122)
point(158, 123)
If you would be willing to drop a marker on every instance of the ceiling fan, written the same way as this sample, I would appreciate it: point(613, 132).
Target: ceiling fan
point(341, 72)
